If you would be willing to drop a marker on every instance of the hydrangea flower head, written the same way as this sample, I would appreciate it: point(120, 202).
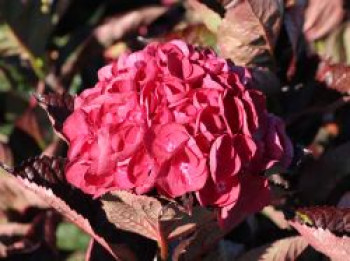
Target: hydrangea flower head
point(178, 119)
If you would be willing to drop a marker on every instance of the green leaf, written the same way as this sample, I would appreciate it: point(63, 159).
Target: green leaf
point(71, 238)
point(207, 16)
point(26, 29)
point(29, 24)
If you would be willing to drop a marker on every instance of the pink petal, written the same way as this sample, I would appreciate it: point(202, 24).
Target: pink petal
point(186, 171)
point(224, 161)
point(254, 195)
point(105, 73)
point(76, 126)
point(168, 138)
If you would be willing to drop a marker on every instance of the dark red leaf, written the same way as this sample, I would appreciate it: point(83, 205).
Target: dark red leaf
point(319, 178)
point(28, 122)
point(58, 107)
point(336, 220)
point(293, 23)
point(30, 239)
point(335, 76)
point(199, 243)
point(265, 80)
point(344, 201)
point(45, 177)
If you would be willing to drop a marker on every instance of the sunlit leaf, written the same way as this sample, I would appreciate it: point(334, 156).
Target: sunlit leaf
point(249, 31)
point(336, 76)
point(336, 220)
point(289, 248)
point(15, 197)
point(209, 17)
point(322, 239)
point(318, 22)
point(195, 34)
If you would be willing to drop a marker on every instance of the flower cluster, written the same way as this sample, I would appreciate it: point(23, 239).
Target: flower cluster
point(177, 119)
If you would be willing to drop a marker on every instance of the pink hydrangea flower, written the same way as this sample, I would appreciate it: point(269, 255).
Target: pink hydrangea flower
point(178, 119)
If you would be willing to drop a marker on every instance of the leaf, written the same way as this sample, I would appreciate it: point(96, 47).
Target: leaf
point(151, 218)
point(249, 31)
point(55, 148)
point(96, 252)
point(35, 239)
point(319, 178)
point(226, 250)
point(8, 45)
point(293, 22)
point(289, 248)
point(318, 22)
point(335, 76)
point(30, 128)
point(179, 223)
point(209, 17)
point(335, 45)
point(31, 26)
point(45, 177)
point(199, 243)
point(71, 238)
point(337, 248)
point(197, 34)
point(276, 216)
point(336, 220)
point(120, 25)
point(28, 122)
point(6, 154)
point(134, 213)
point(265, 80)
point(14, 229)
point(208, 235)
point(58, 108)
point(14, 196)
point(344, 202)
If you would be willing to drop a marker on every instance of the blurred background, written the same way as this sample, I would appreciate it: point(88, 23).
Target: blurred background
point(299, 62)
